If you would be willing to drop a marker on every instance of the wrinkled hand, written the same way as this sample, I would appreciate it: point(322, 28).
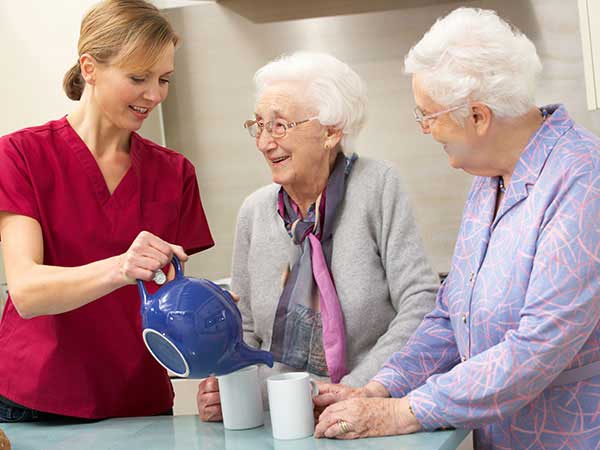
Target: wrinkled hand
point(332, 393)
point(209, 401)
point(146, 255)
point(367, 417)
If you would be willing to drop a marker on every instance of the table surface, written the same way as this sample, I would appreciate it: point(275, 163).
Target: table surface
point(189, 433)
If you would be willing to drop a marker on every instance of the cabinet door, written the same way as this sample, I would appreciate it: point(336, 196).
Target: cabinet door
point(589, 18)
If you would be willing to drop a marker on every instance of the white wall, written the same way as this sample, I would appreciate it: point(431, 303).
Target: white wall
point(39, 44)
point(224, 44)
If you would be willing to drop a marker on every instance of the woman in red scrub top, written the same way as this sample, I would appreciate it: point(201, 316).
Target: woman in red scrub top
point(86, 207)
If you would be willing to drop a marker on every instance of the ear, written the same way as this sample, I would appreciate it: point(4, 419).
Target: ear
point(480, 118)
point(89, 68)
point(332, 138)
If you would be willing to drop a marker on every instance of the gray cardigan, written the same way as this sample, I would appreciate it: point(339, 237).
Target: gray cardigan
point(379, 268)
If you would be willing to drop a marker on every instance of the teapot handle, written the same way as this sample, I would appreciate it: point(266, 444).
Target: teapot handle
point(177, 264)
point(178, 274)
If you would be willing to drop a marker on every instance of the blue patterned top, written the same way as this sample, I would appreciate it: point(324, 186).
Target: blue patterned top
point(520, 306)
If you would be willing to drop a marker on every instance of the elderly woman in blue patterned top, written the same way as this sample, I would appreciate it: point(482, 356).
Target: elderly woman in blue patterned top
point(512, 348)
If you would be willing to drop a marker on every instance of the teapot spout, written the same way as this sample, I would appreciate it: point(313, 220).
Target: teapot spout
point(254, 356)
point(244, 357)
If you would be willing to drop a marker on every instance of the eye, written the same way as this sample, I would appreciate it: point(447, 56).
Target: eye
point(164, 81)
point(279, 126)
point(137, 79)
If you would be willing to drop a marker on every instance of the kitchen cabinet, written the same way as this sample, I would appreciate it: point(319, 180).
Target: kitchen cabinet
point(589, 18)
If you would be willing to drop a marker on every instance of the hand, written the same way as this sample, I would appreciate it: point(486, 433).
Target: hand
point(234, 296)
point(209, 401)
point(147, 254)
point(333, 393)
point(366, 417)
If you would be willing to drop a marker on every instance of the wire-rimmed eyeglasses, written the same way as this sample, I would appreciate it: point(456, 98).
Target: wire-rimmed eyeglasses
point(277, 128)
point(423, 119)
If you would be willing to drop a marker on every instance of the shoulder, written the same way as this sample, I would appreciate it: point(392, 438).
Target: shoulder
point(262, 200)
point(365, 168)
point(371, 178)
point(579, 147)
point(30, 138)
point(161, 157)
point(576, 157)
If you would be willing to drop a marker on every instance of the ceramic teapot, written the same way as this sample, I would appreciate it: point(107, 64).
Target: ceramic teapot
point(193, 328)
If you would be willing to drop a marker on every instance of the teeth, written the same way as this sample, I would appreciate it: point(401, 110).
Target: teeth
point(279, 159)
point(140, 110)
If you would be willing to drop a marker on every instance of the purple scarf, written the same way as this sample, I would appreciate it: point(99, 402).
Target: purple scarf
point(312, 270)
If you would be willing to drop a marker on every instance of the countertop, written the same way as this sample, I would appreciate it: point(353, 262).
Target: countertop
point(189, 433)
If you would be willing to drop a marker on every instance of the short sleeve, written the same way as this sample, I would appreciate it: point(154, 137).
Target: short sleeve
point(193, 232)
point(17, 193)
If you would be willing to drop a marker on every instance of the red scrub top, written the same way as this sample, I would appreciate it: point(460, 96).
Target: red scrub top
point(91, 362)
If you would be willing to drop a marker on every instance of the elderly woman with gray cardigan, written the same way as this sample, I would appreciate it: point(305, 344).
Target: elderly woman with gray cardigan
point(328, 263)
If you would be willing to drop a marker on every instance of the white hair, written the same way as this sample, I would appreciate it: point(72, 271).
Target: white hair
point(474, 55)
point(336, 92)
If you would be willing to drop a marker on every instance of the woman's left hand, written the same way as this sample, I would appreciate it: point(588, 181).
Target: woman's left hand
point(367, 417)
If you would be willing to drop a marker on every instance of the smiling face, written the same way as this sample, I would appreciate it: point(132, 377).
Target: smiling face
point(301, 159)
point(469, 146)
point(126, 98)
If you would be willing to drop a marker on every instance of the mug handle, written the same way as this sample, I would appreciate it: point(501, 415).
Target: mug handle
point(314, 389)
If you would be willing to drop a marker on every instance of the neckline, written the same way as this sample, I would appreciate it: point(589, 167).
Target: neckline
point(91, 167)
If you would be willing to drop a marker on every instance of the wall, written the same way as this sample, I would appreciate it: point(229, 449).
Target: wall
point(39, 45)
point(224, 44)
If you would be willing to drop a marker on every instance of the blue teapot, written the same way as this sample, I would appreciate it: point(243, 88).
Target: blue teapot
point(193, 328)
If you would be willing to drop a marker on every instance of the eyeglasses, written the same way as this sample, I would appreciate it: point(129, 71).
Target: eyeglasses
point(423, 119)
point(277, 128)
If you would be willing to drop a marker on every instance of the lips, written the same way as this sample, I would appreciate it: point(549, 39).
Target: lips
point(278, 160)
point(140, 111)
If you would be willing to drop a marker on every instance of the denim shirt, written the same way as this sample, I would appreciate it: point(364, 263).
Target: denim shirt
point(521, 304)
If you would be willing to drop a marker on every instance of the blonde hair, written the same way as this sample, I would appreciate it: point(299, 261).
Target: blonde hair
point(126, 33)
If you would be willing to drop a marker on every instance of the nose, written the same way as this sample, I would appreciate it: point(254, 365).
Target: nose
point(153, 93)
point(265, 142)
point(425, 129)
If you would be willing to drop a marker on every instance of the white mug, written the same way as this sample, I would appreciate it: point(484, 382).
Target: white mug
point(291, 406)
point(241, 400)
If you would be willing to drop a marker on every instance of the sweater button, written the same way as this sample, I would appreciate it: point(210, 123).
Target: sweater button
point(464, 318)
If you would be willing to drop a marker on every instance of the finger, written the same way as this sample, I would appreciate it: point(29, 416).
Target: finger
point(137, 274)
point(325, 399)
point(141, 267)
point(179, 251)
point(325, 422)
point(147, 250)
point(210, 399)
point(348, 435)
point(325, 387)
point(148, 239)
point(209, 384)
point(212, 384)
point(234, 296)
point(332, 431)
point(211, 414)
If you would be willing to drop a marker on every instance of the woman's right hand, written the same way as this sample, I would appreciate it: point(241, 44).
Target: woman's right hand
point(146, 255)
point(209, 401)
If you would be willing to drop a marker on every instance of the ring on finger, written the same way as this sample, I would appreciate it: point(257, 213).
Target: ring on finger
point(344, 426)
